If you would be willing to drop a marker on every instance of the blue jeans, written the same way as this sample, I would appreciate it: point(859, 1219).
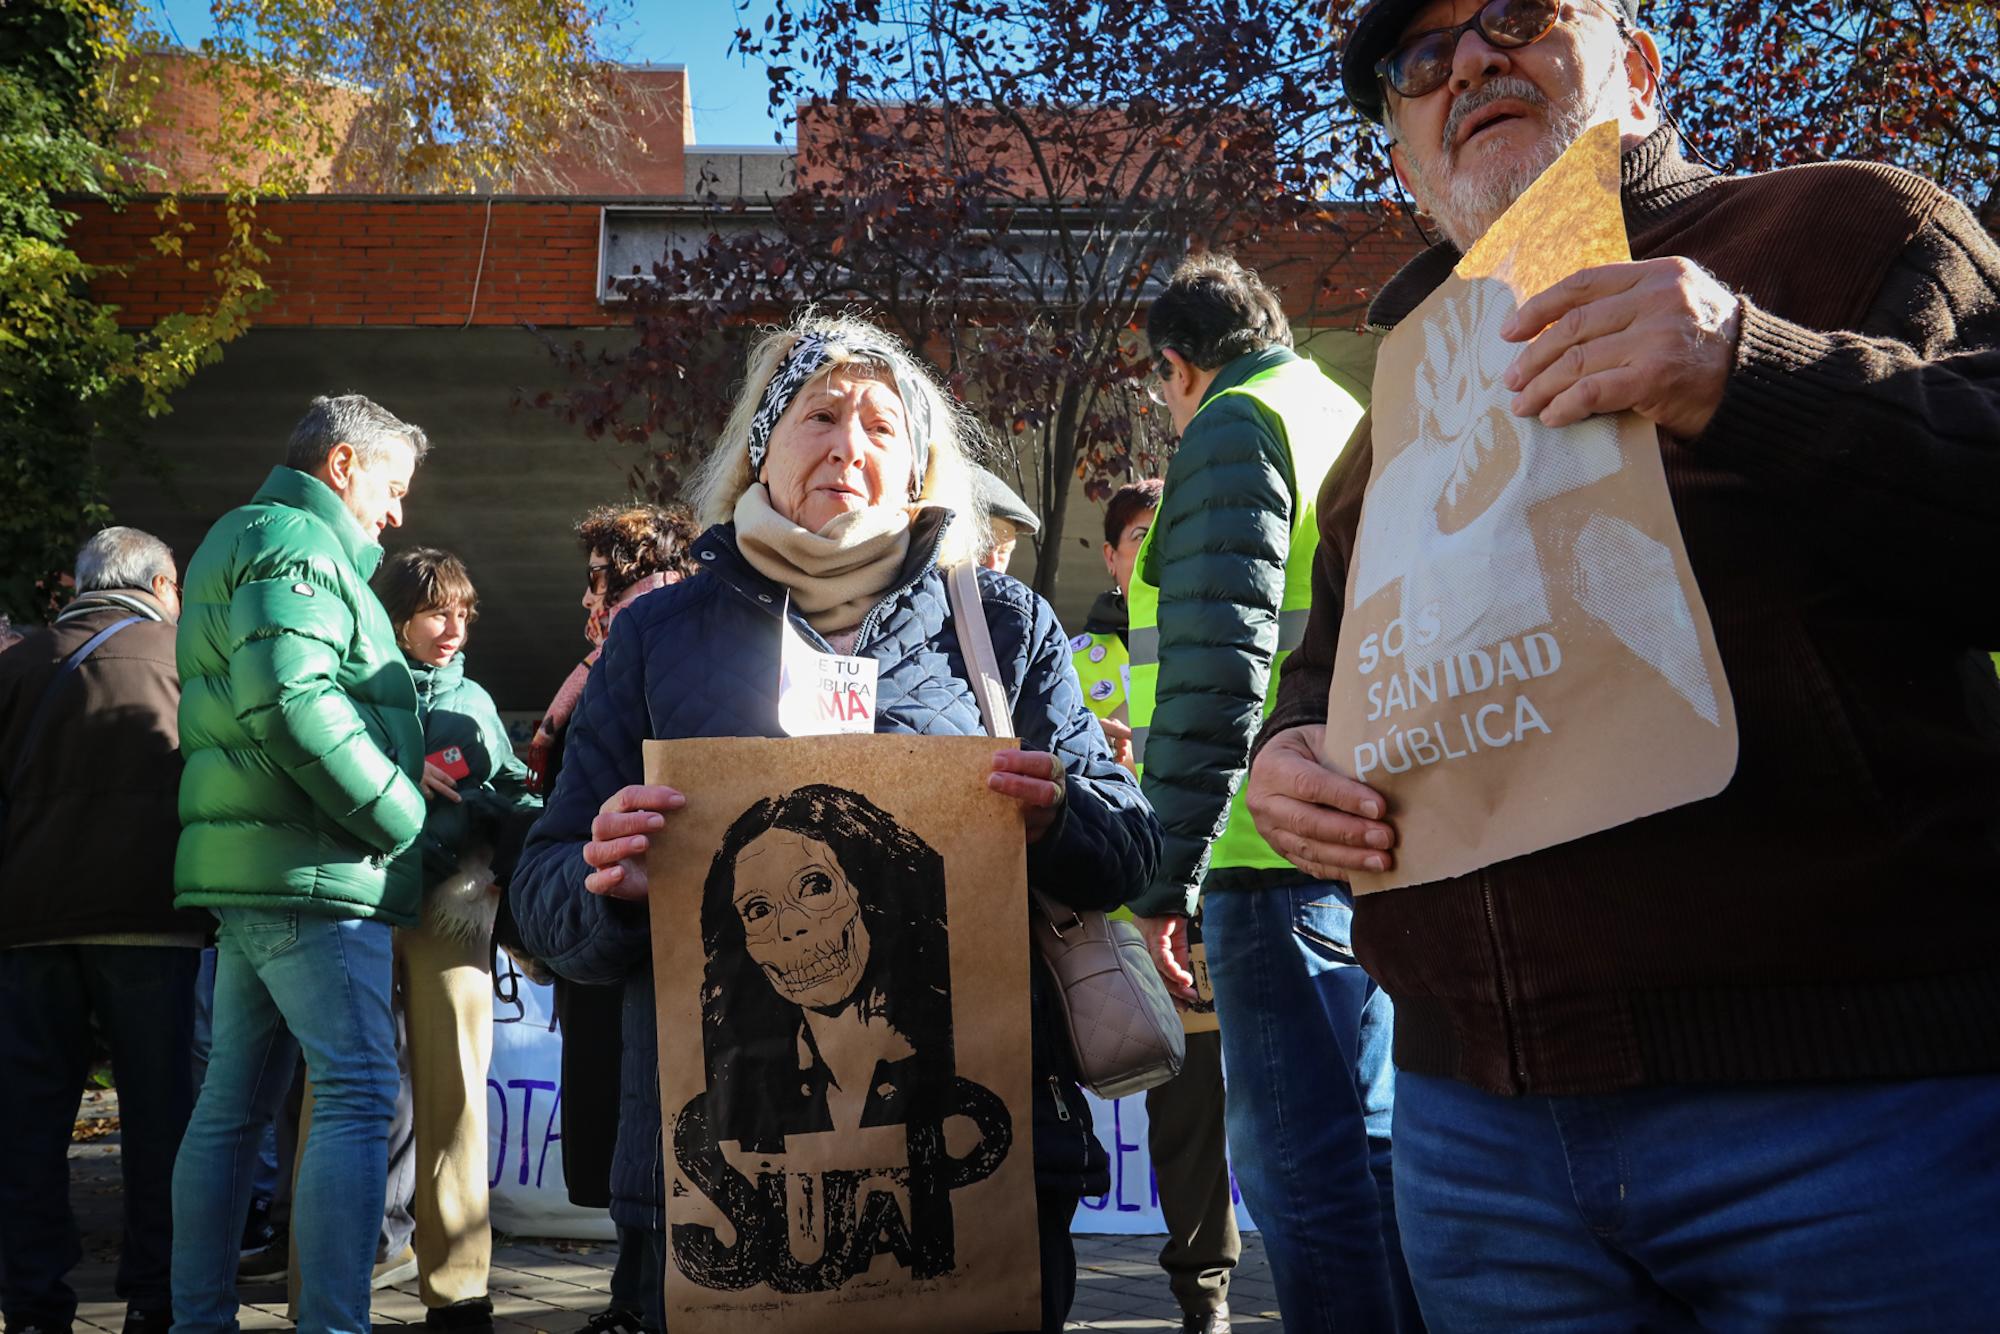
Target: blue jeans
point(286, 980)
point(1824, 1207)
point(142, 996)
point(265, 1184)
point(1305, 1044)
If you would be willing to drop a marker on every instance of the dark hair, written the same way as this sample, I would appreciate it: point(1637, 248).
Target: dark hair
point(417, 579)
point(751, 1035)
point(1127, 503)
point(1214, 310)
point(350, 419)
point(639, 540)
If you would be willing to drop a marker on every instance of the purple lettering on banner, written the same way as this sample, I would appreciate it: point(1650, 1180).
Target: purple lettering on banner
point(527, 1114)
point(549, 1136)
point(1118, 1151)
point(1153, 1178)
point(500, 1158)
point(1235, 1191)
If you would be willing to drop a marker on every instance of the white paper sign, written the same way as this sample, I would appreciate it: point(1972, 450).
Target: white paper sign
point(1132, 1206)
point(524, 1119)
point(821, 694)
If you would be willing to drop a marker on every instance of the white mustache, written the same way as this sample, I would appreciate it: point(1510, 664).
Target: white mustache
point(1499, 89)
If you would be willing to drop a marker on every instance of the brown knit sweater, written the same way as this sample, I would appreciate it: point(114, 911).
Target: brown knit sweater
point(1835, 912)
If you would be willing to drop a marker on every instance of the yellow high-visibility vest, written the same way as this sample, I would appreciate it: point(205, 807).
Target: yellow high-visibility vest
point(1101, 662)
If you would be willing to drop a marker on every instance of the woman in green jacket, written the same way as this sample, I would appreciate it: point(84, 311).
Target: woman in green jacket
point(444, 964)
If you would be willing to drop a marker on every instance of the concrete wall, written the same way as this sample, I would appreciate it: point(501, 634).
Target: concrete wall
point(501, 488)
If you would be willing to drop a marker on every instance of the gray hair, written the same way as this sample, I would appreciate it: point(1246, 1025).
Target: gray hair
point(122, 558)
point(350, 419)
point(726, 473)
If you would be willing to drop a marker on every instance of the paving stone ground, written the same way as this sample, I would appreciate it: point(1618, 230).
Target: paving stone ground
point(540, 1284)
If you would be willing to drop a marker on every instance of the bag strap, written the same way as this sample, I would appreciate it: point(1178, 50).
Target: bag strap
point(975, 643)
point(41, 714)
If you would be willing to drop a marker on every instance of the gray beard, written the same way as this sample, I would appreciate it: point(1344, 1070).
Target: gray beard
point(1465, 202)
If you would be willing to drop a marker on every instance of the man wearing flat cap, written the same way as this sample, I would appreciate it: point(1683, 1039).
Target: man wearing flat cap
point(1737, 1064)
point(1008, 519)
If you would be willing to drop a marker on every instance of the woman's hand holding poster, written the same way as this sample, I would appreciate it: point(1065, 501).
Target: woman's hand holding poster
point(1524, 656)
point(840, 961)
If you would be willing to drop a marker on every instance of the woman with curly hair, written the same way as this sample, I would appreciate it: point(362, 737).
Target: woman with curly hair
point(633, 549)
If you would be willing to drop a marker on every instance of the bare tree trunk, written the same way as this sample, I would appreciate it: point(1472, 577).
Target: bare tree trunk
point(1060, 472)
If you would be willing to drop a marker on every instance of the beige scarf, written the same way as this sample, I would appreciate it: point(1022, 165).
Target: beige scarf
point(836, 574)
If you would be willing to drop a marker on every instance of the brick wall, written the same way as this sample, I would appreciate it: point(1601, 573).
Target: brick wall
point(345, 261)
point(639, 150)
point(1326, 275)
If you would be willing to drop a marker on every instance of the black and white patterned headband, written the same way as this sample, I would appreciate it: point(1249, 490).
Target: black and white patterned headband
point(811, 355)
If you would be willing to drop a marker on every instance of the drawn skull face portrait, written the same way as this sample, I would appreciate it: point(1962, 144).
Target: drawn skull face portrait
point(801, 918)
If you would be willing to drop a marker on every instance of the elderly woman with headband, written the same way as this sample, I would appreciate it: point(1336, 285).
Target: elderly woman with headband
point(839, 494)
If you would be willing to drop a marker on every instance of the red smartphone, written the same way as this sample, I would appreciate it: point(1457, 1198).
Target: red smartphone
point(452, 760)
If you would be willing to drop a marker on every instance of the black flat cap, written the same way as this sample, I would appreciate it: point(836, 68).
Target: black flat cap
point(1381, 24)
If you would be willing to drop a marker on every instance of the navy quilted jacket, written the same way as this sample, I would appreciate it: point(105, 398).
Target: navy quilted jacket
point(700, 659)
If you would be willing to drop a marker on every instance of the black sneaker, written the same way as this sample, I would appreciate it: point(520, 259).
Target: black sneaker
point(616, 1320)
point(257, 1232)
point(143, 1320)
point(473, 1314)
point(17, 1328)
point(272, 1264)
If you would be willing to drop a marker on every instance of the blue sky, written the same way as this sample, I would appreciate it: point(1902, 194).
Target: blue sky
point(729, 98)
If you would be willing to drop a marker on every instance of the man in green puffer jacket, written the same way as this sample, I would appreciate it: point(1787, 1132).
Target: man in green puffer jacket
point(301, 803)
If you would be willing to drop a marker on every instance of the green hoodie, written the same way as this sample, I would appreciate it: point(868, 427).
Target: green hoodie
point(298, 718)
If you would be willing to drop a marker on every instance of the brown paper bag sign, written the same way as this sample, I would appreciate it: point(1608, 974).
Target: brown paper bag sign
point(1524, 656)
point(1200, 1016)
point(840, 964)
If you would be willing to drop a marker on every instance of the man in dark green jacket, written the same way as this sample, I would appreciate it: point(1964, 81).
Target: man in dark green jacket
point(1218, 599)
point(302, 800)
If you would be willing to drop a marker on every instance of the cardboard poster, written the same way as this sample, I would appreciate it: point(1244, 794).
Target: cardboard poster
point(1524, 656)
point(840, 960)
point(1200, 1016)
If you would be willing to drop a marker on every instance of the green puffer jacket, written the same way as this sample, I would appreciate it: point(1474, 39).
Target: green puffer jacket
point(458, 712)
point(298, 718)
point(1217, 555)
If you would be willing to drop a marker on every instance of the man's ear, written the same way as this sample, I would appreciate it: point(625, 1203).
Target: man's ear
point(1184, 372)
point(338, 470)
point(1399, 165)
point(1642, 74)
point(1110, 564)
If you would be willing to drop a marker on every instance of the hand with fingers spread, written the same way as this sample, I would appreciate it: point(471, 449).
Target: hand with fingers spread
point(1035, 779)
point(620, 836)
point(1320, 821)
point(1657, 336)
point(1167, 942)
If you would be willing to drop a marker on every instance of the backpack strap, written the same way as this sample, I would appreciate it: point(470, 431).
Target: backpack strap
point(41, 715)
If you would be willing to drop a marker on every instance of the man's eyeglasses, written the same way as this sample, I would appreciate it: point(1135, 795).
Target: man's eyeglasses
point(596, 576)
point(1422, 64)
